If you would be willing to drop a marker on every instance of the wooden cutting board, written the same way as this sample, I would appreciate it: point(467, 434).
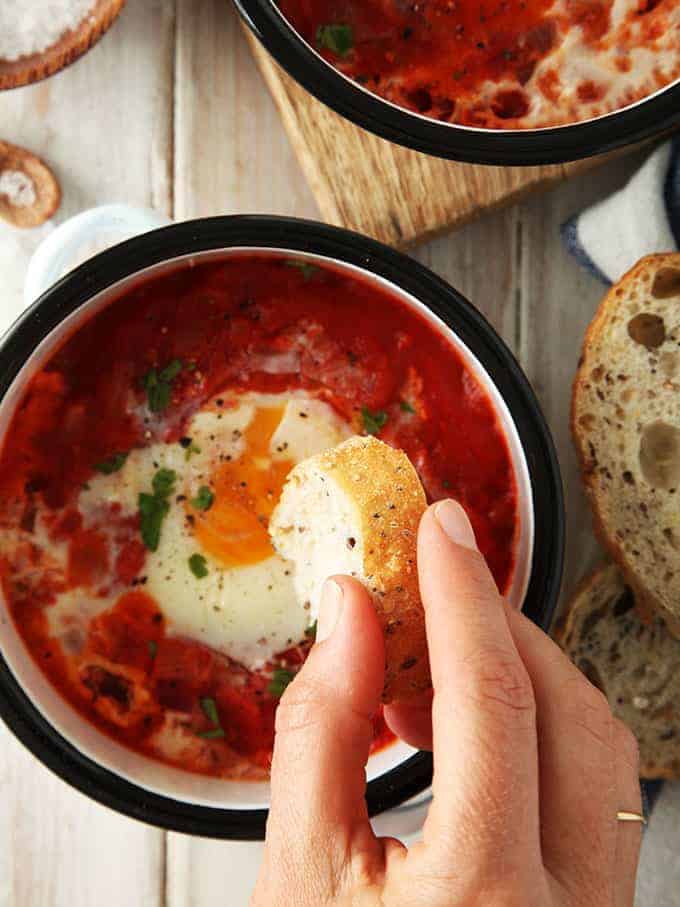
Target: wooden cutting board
point(397, 195)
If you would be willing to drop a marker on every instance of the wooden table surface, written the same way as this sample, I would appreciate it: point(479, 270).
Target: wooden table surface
point(168, 111)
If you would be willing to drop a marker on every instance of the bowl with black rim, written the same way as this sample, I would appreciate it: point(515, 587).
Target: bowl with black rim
point(650, 117)
point(162, 795)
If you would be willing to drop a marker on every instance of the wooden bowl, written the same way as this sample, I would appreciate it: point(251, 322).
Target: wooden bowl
point(45, 186)
point(66, 50)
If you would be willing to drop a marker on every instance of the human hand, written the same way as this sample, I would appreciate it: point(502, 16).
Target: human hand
point(530, 766)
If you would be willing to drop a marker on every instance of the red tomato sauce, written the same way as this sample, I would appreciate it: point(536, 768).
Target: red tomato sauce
point(442, 58)
point(248, 323)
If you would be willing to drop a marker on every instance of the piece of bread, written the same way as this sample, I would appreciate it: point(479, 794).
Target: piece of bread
point(355, 510)
point(636, 665)
point(626, 426)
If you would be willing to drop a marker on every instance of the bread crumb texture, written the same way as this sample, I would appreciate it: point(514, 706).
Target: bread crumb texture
point(635, 664)
point(626, 427)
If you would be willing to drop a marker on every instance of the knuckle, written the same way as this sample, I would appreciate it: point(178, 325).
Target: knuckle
point(479, 584)
point(311, 702)
point(627, 746)
point(590, 696)
point(589, 710)
point(300, 706)
point(364, 872)
point(498, 681)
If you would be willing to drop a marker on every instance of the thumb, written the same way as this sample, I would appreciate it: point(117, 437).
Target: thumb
point(323, 724)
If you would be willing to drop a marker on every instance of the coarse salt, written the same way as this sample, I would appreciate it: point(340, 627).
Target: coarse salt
point(31, 26)
point(18, 188)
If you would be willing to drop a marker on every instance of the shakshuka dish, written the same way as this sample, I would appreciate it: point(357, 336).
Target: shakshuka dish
point(498, 64)
point(144, 459)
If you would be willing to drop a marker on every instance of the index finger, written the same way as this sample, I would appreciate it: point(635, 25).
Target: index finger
point(483, 714)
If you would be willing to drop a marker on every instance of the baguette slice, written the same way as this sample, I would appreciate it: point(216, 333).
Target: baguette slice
point(355, 510)
point(636, 665)
point(626, 426)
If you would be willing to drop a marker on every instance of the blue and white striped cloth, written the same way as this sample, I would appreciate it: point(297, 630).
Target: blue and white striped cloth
point(610, 236)
point(643, 217)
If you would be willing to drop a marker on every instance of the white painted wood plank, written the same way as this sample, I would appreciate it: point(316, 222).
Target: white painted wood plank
point(659, 874)
point(480, 261)
point(57, 847)
point(558, 301)
point(231, 155)
point(205, 873)
point(105, 125)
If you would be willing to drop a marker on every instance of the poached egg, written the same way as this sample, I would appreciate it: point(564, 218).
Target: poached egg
point(214, 572)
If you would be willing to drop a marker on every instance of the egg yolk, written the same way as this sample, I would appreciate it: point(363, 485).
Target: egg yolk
point(234, 529)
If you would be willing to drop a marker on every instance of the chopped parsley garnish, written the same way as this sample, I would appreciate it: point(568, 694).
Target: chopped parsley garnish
point(163, 483)
point(373, 422)
point(157, 392)
point(153, 511)
point(280, 680)
point(158, 385)
point(204, 499)
point(171, 370)
point(406, 406)
point(113, 464)
point(191, 450)
point(209, 708)
point(306, 268)
point(198, 566)
point(310, 632)
point(153, 648)
point(215, 734)
point(153, 508)
point(338, 38)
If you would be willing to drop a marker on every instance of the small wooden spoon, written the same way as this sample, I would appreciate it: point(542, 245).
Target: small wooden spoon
point(36, 194)
point(66, 50)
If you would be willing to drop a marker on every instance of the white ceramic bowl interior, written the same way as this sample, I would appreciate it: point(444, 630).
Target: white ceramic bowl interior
point(136, 768)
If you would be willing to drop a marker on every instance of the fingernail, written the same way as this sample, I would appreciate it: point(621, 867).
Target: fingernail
point(455, 523)
point(330, 610)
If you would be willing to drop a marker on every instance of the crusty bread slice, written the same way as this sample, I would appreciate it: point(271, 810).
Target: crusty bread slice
point(626, 426)
point(355, 509)
point(636, 665)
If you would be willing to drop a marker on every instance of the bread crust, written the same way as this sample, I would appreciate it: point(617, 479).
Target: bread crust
point(564, 627)
point(390, 502)
point(647, 603)
point(588, 596)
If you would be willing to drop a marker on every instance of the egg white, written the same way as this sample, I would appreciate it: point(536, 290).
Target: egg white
point(248, 612)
